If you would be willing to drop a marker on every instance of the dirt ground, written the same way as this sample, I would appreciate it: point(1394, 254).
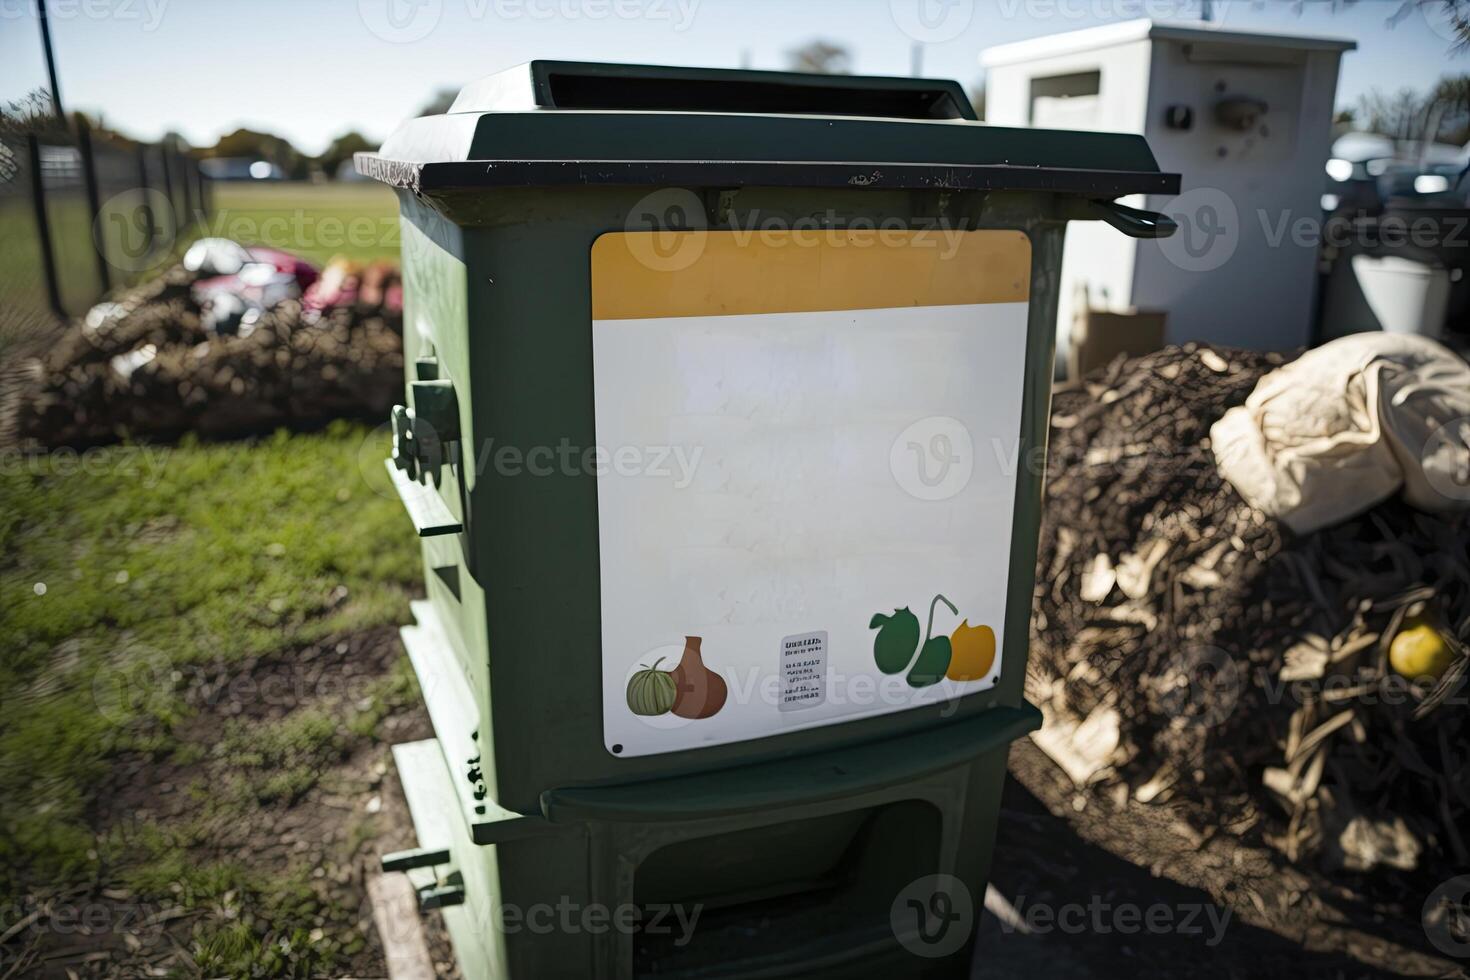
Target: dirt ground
point(340, 827)
point(1058, 847)
point(1236, 910)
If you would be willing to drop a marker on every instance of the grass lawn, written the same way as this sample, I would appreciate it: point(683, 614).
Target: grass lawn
point(315, 221)
point(201, 676)
point(195, 637)
point(24, 305)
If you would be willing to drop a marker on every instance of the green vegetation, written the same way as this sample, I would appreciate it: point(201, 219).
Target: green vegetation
point(134, 577)
point(315, 221)
point(24, 306)
point(129, 572)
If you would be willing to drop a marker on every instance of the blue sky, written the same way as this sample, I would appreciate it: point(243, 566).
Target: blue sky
point(310, 69)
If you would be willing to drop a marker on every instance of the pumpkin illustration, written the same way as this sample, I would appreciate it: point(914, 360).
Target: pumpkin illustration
point(934, 656)
point(700, 691)
point(651, 691)
point(974, 652)
point(897, 639)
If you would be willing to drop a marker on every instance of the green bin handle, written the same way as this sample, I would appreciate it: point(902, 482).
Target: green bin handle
point(1133, 222)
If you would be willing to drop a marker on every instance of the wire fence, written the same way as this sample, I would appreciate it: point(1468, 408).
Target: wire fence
point(85, 212)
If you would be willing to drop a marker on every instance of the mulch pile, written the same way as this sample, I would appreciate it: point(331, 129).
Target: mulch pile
point(152, 370)
point(1244, 668)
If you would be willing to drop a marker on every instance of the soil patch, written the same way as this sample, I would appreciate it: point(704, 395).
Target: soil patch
point(301, 854)
point(1245, 668)
point(1058, 847)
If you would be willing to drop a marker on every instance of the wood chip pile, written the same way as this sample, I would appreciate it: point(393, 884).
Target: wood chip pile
point(152, 371)
point(1190, 648)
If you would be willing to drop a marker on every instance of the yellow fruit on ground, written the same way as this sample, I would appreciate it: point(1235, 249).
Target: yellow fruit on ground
point(1420, 653)
point(973, 652)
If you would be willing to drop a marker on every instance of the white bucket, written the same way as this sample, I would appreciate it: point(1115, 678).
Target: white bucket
point(1405, 296)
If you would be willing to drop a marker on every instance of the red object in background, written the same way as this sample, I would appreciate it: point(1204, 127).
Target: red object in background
point(345, 283)
point(304, 272)
point(336, 287)
point(214, 258)
point(239, 283)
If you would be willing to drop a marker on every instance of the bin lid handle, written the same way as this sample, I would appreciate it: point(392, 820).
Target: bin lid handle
point(1134, 222)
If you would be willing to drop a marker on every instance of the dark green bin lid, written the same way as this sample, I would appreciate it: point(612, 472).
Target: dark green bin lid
point(549, 123)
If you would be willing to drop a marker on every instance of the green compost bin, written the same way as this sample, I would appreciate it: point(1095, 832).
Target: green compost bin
point(727, 394)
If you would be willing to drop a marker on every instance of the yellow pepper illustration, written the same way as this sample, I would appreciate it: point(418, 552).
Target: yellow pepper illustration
point(974, 652)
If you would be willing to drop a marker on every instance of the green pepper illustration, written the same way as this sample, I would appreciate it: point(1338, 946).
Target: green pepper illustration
point(897, 639)
point(934, 655)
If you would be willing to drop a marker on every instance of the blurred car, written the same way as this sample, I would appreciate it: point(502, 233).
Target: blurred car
point(240, 168)
point(1367, 170)
point(1394, 250)
point(1357, 161)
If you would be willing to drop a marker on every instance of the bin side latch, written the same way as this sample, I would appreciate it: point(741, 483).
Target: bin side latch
point(424, 441)
point(419, 857)
point(442, 892)
point(423, 432)
point(1134, 222)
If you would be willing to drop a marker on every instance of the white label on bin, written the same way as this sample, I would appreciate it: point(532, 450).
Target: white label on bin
point(798, 433)
point(803, 671)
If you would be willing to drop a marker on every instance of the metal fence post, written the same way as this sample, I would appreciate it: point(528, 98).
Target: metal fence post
point(147, 206)
point(204, 190)
point(43, 228)
point(168, 191)
point(94, 203)
point(186, 180)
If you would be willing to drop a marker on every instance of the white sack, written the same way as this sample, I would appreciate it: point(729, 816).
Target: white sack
point(1348, 424)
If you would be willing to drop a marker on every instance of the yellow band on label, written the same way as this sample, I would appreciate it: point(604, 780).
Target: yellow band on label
point(645, 274)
